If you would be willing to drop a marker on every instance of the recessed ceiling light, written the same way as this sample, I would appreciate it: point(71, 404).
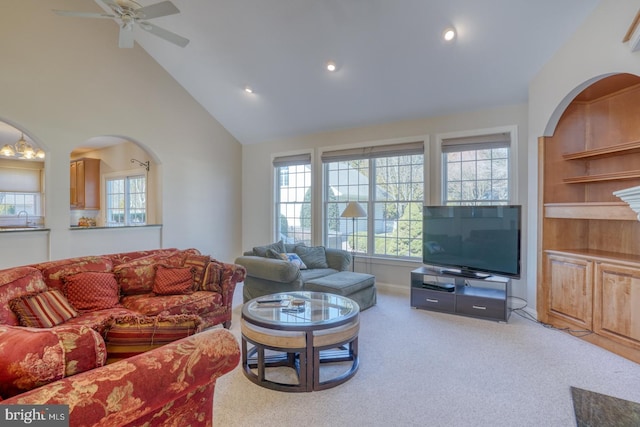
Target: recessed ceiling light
point(248, 89)
point(449, 34)
point(331, 66)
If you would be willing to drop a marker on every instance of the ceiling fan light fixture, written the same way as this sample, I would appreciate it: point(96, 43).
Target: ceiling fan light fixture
point(449, 34)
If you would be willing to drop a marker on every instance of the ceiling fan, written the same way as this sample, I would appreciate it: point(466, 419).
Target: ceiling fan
point(128, 12)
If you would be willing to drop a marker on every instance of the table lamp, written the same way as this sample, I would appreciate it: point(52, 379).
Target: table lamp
point(353, 211)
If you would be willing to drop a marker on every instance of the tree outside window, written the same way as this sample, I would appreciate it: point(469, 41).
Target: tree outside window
point(293, 198)
point(389, 184)
point(476, 172)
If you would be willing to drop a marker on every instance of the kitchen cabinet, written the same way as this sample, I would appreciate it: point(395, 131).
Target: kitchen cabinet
point(84, 183)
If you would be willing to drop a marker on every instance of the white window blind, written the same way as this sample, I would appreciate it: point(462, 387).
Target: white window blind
point(378, 151)
point(298, 159)
point(20, 180)
point(479, 142)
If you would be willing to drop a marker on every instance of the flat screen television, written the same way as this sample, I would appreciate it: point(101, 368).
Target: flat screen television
point(472, 241)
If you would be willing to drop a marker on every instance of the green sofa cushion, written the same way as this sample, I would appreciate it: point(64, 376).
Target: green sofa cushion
point(278, 247)
point(313, 257)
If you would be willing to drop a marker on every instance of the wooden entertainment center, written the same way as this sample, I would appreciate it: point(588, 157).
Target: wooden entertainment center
point(589, 240)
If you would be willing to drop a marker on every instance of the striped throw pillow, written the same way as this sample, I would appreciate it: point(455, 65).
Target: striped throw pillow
point(42, 310)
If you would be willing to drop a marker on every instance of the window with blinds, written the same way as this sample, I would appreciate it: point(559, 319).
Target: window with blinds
point(476, 170)
point(293, 198)
point(388, 182)
point(21, 188)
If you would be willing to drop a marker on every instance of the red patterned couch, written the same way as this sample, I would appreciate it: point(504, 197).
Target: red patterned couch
point(63, 322)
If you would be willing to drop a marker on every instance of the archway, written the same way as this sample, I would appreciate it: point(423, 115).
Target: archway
point(22, 165)
point(114, 182)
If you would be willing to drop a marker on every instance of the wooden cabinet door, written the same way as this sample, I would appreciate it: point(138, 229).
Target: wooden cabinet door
point(617, 303)
point(80, 187)
point(73, 184)
point(85, 184)
point(91, 183)
point(570, 284)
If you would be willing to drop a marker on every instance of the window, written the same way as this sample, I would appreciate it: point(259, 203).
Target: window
point(476, 170)
point(388, 182)
point(293, 198)
point(126, 201)
point(21, 190)
point(14, 203)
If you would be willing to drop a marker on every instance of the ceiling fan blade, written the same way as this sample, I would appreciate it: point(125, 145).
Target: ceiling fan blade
point(125, 38)
point(83, 14)
point(165, 34)
point(157, 10)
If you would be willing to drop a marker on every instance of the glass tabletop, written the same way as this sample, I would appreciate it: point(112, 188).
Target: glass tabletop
point(294, 310)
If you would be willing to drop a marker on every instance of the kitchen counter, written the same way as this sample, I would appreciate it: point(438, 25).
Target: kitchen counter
point(77, 227)
point(12, 229)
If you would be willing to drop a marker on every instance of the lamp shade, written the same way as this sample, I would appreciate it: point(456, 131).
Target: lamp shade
point(353, 210)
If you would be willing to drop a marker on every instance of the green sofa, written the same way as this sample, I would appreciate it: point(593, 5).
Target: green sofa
point(327, 271)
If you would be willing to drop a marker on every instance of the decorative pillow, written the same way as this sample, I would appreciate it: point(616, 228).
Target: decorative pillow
point(132, 335)
point(136, 277)
point(54, 271)
point(294, 259)
point(90, 291)
point(262, 250)
point(313, 257)
point(199, 264)
point(213, 277)
point(31, 357)
point(43, 310)
point(272, 253)
point(16, 282)
point(173, 280)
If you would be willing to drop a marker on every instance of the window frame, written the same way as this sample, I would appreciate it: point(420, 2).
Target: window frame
point(27, 181)
point(291, 160)
point(125, 175)
point(371, 152)
point(511, 131)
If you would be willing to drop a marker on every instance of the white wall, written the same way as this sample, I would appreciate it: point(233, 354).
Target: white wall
point(594, 51)
point(257, 192)
point(64, 80)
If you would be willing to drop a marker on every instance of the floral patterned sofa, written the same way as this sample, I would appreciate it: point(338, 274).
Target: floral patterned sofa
point(172, 385)
point(63, 323)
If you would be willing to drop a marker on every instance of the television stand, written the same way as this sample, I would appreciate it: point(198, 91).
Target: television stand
point(484, 298)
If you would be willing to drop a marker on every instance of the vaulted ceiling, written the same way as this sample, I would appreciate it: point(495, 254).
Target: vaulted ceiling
point(392, 63)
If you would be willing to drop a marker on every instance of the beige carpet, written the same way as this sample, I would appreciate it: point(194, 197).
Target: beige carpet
point(420, 368)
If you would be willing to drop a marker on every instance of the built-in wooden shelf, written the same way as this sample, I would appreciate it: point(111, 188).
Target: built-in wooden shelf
point(612, 150)
point(594, 210)
point(613, 176)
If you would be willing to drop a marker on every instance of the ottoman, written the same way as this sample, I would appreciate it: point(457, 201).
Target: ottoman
point(359, 287)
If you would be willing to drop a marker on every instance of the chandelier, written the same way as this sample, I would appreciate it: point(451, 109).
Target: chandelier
point(21, 149)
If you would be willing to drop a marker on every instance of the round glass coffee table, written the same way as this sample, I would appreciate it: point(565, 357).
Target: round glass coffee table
point(302, 331)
